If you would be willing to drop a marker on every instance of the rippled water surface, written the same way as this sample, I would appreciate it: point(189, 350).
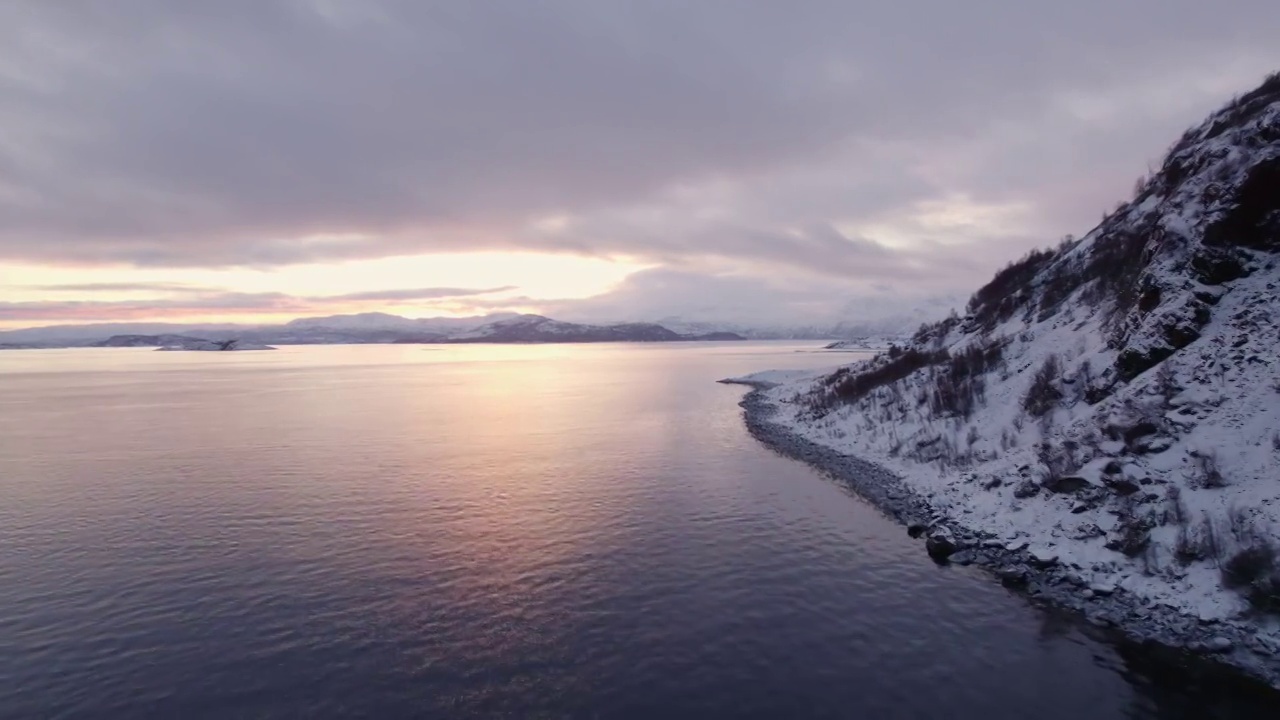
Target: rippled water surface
point(519, 531)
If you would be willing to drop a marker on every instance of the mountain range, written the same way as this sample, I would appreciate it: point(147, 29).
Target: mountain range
point(366, 328)
point(379, 327)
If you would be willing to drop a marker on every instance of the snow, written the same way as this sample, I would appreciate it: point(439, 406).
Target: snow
point(1212, 407)
point(777, 377)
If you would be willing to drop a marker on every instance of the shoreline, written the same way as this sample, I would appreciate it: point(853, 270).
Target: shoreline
point(1227, 646)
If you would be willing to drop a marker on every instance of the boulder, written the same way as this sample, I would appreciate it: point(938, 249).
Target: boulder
point(1066, 484)
point(1130, 539)
point(1121, 486)
point(1026, 489)
point(1043, 557)
point(1012, 577)
point(1102, 588)
point(1086, 532)
point(1140, 430)
point(916, 529)
point(940, 545)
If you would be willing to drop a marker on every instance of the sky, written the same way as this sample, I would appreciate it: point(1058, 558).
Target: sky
point(732, 160)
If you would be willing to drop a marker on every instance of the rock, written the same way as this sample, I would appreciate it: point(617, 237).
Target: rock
point(1142, 429)
point(1102, 588)
point(1153, 446)
point(1067, 484)
point(964, 557)
point(1026, 489)
point(1122, 486)
point(1043, 557)
point(940, 545)
point(1130, 540)
point(1087, 594)
point(1015, 545)
point(993, 483)
point(1219, 644)
point(916, 529)
point(939, 548)
point(1087, 531)
point(1012, 577)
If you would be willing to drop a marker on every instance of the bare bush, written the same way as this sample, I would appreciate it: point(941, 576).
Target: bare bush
point(1205, 472)
point(1251, 567)
point(1198, 543)
point(1252, 572)
point(1175, 511)
point(1011, 289)
point(1043, 395)
point(960, 387)
point(1059, 459)
point(853, 386)
point(1166, 382)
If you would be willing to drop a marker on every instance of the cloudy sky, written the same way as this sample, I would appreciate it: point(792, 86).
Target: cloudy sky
point(794, 161)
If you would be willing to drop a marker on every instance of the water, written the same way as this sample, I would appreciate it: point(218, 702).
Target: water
point(520, 531)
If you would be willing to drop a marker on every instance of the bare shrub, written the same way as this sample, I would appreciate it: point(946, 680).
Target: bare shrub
point(1058, 459)
point(1252, 572)
point(1175, 511)
point(1251, 568)
point(1010, 289)
point(1198, 543)
point(1240, 526)
point(853, 386)
point(1205, 472)
point(1043, 395)
point(1166, 382)
point(960, 387)
point(1008, 440)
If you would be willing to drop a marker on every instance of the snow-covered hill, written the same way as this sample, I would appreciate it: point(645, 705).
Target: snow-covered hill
point(1112, 403)
point(368, 328)
point(536, 328)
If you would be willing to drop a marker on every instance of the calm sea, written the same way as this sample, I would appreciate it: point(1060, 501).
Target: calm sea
point(573, 531)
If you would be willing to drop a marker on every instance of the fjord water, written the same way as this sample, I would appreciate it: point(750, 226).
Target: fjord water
point(484, 531)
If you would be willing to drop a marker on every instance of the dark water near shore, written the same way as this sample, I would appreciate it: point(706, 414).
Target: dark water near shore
point(557, 531)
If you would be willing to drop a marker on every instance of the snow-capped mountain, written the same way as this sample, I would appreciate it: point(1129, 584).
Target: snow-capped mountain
point(879, 317)
point(536, 328)
point(378, 321)
point(382, 328)
point(1114, 402)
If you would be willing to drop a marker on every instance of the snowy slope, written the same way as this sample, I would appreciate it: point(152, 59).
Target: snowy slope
point(1114, 402)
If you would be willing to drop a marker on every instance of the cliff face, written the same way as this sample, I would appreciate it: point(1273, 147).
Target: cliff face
point(1116, 398)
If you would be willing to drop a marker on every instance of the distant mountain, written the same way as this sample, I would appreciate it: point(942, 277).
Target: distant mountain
point(147, 341)
point(365, 328)
point(74, 335)
point(196, 344)
point(179, 342)
point(877, 317)
point(536, 328)
point(869, 343)
point(378, 327)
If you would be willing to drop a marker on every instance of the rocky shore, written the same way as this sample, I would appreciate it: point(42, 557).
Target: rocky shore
point(1034, 571)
